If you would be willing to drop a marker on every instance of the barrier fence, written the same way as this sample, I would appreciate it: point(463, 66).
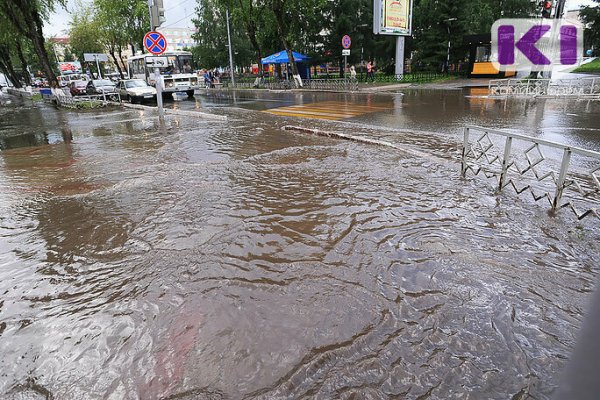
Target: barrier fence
point(568, 177)
point(65, 99)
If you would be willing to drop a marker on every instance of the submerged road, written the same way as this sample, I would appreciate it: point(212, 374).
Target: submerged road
point(234, 260)
point(572, 122)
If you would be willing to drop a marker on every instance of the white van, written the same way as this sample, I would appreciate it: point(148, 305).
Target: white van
point(64, 80)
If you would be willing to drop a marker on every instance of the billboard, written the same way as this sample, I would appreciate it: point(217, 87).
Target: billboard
point(392, 17)
point(71, 67)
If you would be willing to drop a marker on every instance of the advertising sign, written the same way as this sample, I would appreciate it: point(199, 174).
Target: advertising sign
point(69, 67)
point(392, 17)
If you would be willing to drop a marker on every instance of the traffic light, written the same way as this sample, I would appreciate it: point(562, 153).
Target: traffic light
point(546, 8)
point(157, 13)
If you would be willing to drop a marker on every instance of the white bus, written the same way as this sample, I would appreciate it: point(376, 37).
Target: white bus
point(178, 75)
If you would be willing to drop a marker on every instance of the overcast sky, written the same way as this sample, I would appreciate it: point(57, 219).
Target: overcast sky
point(178, 14)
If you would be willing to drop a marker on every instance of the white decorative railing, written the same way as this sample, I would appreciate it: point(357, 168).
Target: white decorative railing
point(526, 168)
point(65, 99)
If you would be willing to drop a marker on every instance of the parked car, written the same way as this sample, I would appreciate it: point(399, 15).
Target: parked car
point(78, 87)
point(135, 90)
point(99, 86)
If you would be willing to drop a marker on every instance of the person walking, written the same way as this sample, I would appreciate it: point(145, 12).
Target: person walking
point(370, 72)
point(352, 72)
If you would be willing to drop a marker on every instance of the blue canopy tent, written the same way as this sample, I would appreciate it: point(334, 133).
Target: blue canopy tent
point(281, 57)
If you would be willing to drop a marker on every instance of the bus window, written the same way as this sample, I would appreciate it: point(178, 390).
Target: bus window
point(483, 54)
point(187, 64)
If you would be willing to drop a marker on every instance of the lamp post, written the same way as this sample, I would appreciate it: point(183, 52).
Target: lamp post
point(230, 50)
point(448, 54)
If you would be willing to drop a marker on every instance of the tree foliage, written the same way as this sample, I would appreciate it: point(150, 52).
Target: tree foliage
point(591, 17)
point(26, 18)
point(109, 26)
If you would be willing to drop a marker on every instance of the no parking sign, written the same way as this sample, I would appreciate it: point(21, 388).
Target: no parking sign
point(155, 43)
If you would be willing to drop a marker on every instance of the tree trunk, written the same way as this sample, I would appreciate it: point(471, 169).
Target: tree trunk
point(7, 68)
point(112, 53)
point(124, 64)
point(26, 75)
point(278, 10)
point(251, 32)
point(256, 45)
point(37, 37)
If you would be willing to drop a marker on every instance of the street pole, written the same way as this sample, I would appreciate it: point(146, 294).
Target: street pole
point(157, 77)
point(98, 66)
point(345, 65)
point(399, 57)
point(159, 99)
point(558, 11)
point(448, 54)
point(230, 50)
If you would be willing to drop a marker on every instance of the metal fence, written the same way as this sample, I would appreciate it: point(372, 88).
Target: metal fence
point(65, 99)
point(348, 85)
point(585, 88)
point(540, 167)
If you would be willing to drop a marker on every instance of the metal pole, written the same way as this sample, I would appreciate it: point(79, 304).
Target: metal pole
point(345, 65)
point(562, 176)
point(505, 164)
point(150, 13)
point(159, 99)
point(465, 152)
point(230, 50)
point(98, 66)
point(399, 56)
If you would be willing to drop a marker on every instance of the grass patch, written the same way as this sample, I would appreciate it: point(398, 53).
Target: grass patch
point(593, 66)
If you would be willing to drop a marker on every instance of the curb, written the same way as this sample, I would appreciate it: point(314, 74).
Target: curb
point(186, 113)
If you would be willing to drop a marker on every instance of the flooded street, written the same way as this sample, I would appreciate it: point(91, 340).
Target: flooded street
point(234, 260)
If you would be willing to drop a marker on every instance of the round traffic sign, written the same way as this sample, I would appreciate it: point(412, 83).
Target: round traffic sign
point(155, 43)
point(346, 42)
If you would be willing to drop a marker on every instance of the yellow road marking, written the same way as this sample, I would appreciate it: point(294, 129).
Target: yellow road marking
point(331, 110)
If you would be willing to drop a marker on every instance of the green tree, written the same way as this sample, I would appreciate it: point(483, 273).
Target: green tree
point(590, 15)
point(27, 19)
point(111, 21)
point(211, 35)
point(84, 33)
point(7, 36)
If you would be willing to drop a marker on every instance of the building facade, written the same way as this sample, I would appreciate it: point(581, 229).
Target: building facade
point(178, 38)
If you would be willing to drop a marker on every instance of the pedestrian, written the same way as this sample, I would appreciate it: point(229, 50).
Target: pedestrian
point(370, 71)
point(352, 72)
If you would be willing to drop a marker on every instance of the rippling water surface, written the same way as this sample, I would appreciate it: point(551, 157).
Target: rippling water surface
point(230, 260)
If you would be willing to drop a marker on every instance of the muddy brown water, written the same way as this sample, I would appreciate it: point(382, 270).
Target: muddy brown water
point(234, 260)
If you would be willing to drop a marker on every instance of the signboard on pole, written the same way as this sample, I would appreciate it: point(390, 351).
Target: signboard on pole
point(155, 43)
point(392, 17)
point(159, 62)
point(70, 67)
point(346, 52)
point(93, 57)
point(346, 42)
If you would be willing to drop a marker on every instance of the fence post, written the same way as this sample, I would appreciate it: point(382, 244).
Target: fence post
point(465, 151)
point(505, 164)
point(561, 178)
